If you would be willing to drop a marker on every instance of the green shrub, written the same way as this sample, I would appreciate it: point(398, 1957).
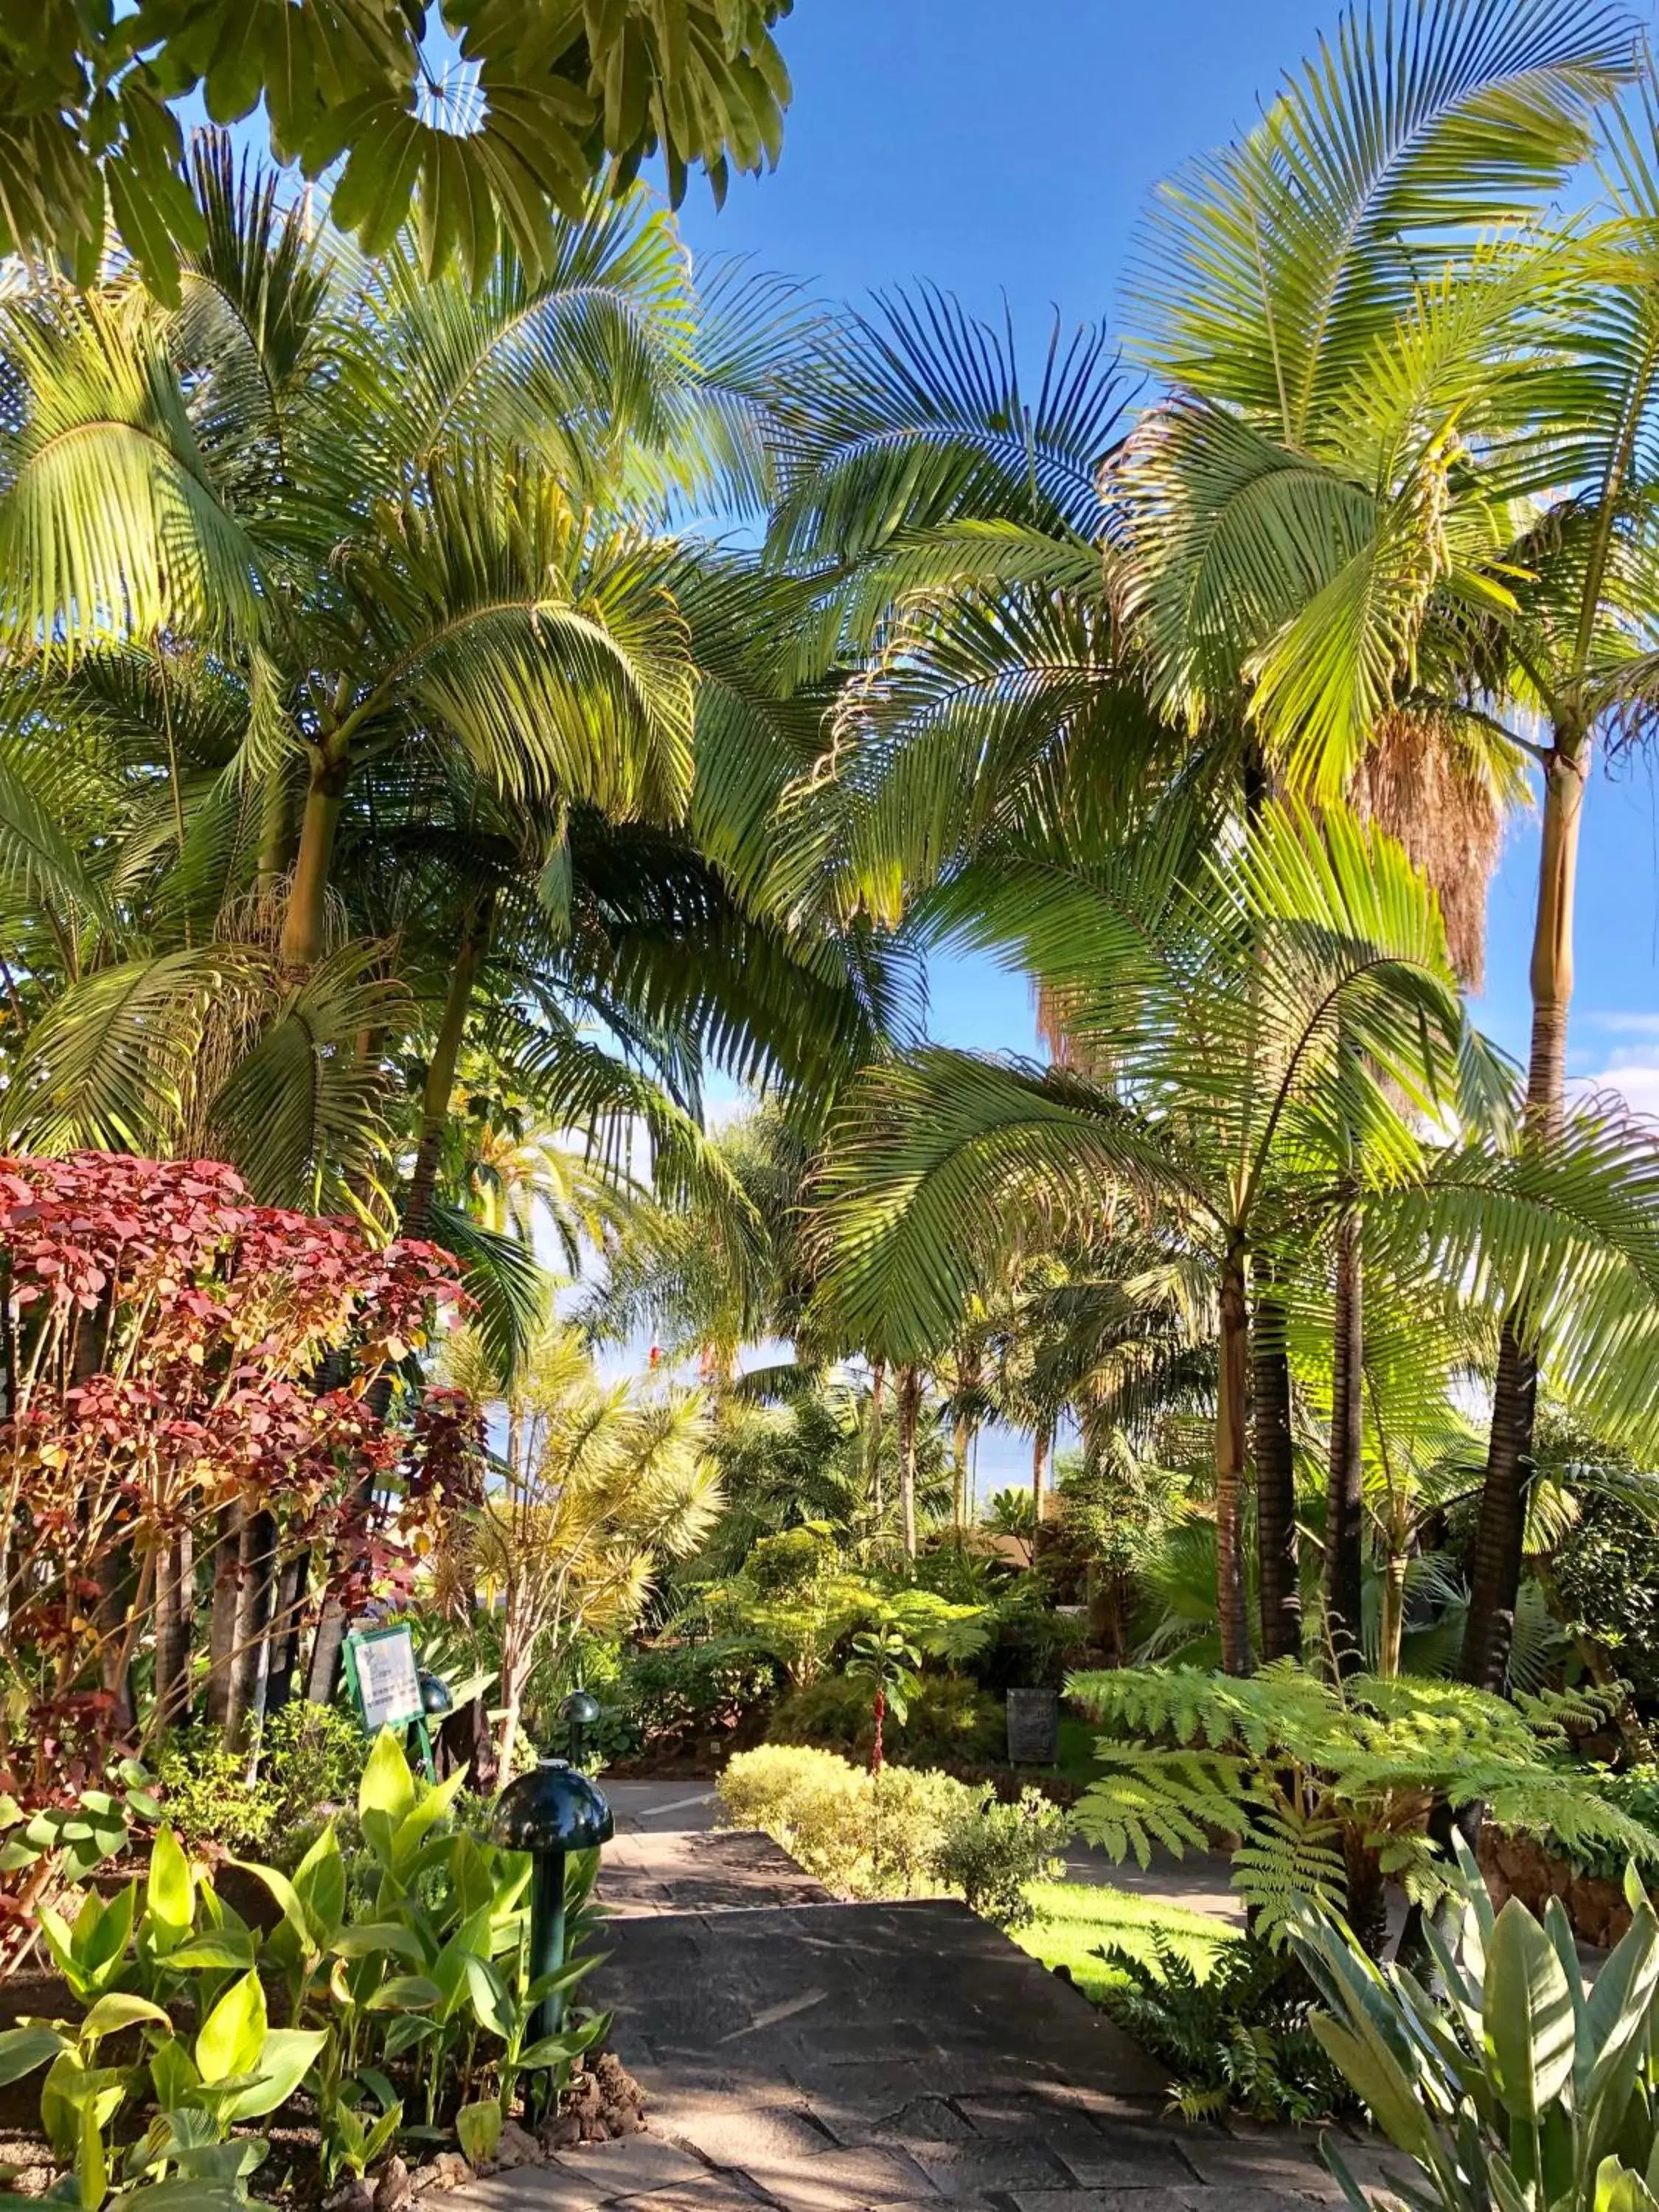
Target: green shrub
point(310, 1757)
point(862, 1834)
point(946, 1717)
point(994, 1852)
point(671, 1693)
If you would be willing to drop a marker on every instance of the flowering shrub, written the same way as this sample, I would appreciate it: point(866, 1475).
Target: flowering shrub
point(182, 1372)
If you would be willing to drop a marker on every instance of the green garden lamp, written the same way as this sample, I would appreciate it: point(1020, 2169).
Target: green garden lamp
point(549, 1813)
point(582, 1712)
point(435, 1703)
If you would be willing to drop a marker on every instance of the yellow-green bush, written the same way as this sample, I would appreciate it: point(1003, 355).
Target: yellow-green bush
point(862, 1834)
point(946, 1717)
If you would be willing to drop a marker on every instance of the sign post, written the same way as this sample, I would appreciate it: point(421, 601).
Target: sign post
point(386, 1684)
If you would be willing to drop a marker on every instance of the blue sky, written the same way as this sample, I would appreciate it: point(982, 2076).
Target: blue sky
point(1004, 154)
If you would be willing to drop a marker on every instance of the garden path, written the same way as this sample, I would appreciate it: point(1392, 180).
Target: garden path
point(801, 2055)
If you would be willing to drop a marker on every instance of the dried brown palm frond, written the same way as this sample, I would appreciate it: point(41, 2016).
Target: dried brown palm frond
point(1431, 782)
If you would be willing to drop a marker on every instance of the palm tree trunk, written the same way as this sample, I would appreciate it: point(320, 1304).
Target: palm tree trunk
point(909, 1407)
point(1495, 1576)
point(327, 1653)
point(1393, 1628)
point(1279, 1568)
point(1040, 1441)
point(446, 1058)
point(1344, 1497)
point(256, 1585)
point(1229, 1467)
point(877, 1385)
point(307, 898)
point(276, 832)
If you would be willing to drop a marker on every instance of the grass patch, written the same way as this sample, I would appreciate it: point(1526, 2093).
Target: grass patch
point(1075, 1918)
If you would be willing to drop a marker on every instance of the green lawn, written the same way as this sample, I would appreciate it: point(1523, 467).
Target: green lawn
point(1074, 1918)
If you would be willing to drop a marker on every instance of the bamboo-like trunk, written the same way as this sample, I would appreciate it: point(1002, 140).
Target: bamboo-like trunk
point(229, 1530)
point(910, 1407)
point(256, 1588)
point(287, 1614)
point(1230, 1445)
point(1495, 1574)
point(1278, 1574)
point(440, 1073)
point(175, 1618)
point(1344, 1495)
point(307, 898)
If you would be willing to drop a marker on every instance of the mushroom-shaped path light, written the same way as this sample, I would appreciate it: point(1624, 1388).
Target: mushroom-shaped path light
point(581, 1710)
point(549, 1813)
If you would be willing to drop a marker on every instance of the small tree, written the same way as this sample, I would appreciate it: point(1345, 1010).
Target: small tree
point(886, 1658)
point(597, 1488)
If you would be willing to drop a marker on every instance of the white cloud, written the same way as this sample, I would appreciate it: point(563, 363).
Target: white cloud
point(1623, 1022)
point(1634, 1076)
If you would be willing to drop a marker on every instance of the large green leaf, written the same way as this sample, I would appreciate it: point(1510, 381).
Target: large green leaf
point(1529, 2019)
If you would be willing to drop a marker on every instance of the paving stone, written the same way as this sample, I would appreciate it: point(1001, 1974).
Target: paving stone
point(804, 2055)
point(1252, 2200)
point(866, 2174)
point(729, 2134)
point(926, 2120)
point(876, 2042)
point(719, 2193)
point(1127, 2155)
point(632, 2165)
point(1102, 2200)
point(971, 2168)
point(526, 2189)
point(1021, 2107)
point(1283, 2161)
point(649, 1875)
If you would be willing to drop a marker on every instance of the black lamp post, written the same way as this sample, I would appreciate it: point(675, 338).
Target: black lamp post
point(549, 1813)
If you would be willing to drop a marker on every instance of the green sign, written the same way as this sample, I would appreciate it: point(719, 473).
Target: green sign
point(383, 1677)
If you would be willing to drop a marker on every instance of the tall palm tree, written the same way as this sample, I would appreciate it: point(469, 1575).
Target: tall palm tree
point(1379, 357)
point(1214, 1009)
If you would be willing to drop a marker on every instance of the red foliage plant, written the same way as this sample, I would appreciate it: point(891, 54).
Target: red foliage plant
point(176, 1359)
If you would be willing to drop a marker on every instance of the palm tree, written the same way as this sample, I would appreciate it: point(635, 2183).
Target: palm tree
point(400, 711)
point(1215, 1008)
point(1377, 358)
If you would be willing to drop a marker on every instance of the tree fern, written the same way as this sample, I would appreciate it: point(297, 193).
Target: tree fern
point(1314, 1779)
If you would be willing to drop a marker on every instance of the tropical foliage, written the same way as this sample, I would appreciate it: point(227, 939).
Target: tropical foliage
point(479, 689)
point(494, 132)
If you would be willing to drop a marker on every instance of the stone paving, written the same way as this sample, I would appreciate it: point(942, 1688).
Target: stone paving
point(808, 2055)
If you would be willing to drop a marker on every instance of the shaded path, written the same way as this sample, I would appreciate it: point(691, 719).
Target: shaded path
point(814, 2056)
